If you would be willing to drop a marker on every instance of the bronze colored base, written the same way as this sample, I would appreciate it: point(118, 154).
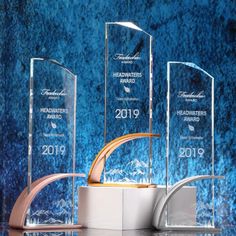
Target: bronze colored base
point(94, 176)
point(123, 185)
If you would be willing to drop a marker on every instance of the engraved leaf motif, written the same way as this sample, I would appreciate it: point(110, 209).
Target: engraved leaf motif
point(53, 125)
point(127, 89)
point(191, 128)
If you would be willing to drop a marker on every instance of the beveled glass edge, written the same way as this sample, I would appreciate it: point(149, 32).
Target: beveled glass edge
point(128, 24)
point(193, 65)
point(52, 61)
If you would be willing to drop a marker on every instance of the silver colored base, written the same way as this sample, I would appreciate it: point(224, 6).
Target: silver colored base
point(183, 228)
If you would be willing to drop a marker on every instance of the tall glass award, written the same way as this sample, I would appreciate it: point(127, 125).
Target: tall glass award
point(128, 101)
point(51, 146)
point(190, 144)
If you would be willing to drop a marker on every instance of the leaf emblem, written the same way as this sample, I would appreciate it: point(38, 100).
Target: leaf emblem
point(127, 89)
point(53, 125)
point(191, 128)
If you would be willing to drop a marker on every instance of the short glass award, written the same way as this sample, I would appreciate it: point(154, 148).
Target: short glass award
point(51, 146)
point(128, 101)
point(190, 148)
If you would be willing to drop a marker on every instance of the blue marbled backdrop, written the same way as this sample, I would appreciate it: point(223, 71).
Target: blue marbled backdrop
point(72, 32)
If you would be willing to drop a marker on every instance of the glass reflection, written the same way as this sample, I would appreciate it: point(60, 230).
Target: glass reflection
point(102, 232)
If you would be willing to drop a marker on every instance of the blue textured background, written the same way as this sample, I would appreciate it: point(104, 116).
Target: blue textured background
point(72, 32)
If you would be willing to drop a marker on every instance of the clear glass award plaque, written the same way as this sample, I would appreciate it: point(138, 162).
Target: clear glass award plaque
point(190, 142)
point(128, 101)
point(51, 146)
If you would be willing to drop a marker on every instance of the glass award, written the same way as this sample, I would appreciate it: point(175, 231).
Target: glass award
point(190, 143)
point(51, 147)
point(128, 101)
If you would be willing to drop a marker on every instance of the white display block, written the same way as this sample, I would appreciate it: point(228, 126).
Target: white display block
point(129, 208)
point(110, 232)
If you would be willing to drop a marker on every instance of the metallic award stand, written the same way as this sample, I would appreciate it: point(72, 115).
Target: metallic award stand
point(190, 147)
point(48, 200)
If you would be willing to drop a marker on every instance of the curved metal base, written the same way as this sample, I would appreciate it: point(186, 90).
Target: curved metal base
point(160, 206)
point(188, 229)
point(122, 185)
point(94, 176)
point(23, 202)
point(52, 227)
point(20, 232)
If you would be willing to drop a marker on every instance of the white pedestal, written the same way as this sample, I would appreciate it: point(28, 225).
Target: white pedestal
point(128, 208)
point(110, 232)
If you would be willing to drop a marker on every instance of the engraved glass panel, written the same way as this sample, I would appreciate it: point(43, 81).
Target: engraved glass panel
point(190, 139)
point(128, 101)
point(51, 140)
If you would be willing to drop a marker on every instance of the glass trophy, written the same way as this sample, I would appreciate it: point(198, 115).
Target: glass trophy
point(190, 142)
point(128, 101)
point(51, 146)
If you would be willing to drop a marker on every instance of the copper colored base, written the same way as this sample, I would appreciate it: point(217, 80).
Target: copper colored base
point(23, 202)
point(52, 227)
point(21, 232)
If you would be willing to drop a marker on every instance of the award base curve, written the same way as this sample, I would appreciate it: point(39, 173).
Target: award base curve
point(23, 202)
point(179, 228)
point(124, 185)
